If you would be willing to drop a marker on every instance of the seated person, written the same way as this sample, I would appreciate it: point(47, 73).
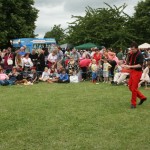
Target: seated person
point(26, 74)
point(13, 75)
point(53, 71)
point(121, 76)
point(63, 77)
point(4, 79)
point(24, 78)
point(34, 75)
point(46, 76)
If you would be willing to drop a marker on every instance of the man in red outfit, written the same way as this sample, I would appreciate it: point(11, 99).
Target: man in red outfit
point(135, 63)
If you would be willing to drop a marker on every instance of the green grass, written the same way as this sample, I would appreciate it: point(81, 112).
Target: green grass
point(80, 116)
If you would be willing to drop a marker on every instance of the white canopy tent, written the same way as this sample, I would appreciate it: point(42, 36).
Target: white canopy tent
point(144, 46)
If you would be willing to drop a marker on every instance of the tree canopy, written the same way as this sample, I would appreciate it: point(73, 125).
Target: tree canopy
point(56, 32)
point(17, 19)
point(104, 26)
point(140, 22)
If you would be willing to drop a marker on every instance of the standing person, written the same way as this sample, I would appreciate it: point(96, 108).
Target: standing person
point(19, 62)
point(92, 52)
point(106, 67)
point(60, 57)
point(34, 57)
point(75, 55)
point(52, 58)
point(27, 63)
point(97, 55)
point(120, 55)
point(22, 51)
point(41, 61)
point(0, 57)
point(8, 60)
point(135, 64)
point(112, 69)
point(84, 65)
point(94, 69)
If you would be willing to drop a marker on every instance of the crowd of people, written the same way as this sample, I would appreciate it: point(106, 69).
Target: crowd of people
point(97, 65)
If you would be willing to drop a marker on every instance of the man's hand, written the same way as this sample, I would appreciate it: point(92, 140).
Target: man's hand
point(126, 66)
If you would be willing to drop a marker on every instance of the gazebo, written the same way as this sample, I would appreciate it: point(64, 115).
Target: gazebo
point(87, 46)
point(144, 46)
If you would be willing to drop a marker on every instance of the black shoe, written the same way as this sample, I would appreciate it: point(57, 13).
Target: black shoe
point(142, 101)
point(132, 106)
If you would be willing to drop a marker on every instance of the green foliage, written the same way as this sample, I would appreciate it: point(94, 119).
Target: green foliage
point(17, 19)
point(80, 116)
point(56, 32)
point(140, 22)
point(104, 26)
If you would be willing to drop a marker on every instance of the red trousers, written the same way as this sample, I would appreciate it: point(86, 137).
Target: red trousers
point(133, 86)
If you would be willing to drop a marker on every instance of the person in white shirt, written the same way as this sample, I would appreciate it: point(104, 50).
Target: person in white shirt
point(46, 76)
point(27, 63)
point(93, 52)
point(52, 58)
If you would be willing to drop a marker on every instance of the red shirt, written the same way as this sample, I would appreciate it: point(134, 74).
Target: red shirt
point(97, 57)
point(85, 62)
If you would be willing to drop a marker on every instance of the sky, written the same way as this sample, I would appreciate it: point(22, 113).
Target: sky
point(55, 12)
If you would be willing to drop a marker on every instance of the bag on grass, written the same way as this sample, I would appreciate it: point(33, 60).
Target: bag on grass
point(74, 79)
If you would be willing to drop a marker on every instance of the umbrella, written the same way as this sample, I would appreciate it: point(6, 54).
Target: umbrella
point(87, 46)
point(145, 45)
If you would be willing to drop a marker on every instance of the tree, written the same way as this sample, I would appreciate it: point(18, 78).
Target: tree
point(56, 32)
point(17, 19)
point(103, 26)
point(140, 22)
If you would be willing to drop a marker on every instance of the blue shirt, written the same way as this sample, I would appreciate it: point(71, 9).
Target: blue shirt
point(22, 53)
point(64, 77)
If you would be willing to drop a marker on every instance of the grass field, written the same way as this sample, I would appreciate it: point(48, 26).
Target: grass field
point(80, 116)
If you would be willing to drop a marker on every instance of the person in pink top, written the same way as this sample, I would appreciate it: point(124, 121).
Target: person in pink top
point(112, 56)
point(84, 65)
point(4, 79)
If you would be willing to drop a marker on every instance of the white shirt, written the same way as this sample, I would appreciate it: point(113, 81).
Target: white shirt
point(52, 58)
point(27, 62)
point(106, 66)
point(45, 75)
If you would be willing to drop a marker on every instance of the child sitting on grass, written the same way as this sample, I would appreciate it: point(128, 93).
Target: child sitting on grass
point(63, 77)
point(46, 76)
point(34, 75)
